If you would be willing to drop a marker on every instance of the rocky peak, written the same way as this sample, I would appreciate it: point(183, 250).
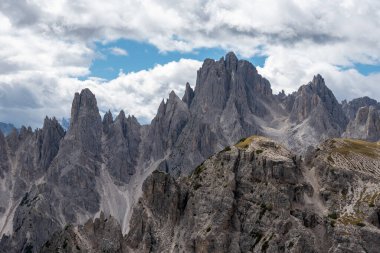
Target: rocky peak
point(172, 96)
point(107, 121)
point(166, 107)
point(84, 104)
point(315, 115)
point(4, 166)
point(366, 125)
point(86, 124)
point(318, 82)
point(351, 108)
point(166, 126)
point(121, 117)
point(316, 97)
point(2, 140)
point(189, 95)
point(49, 138)
point(133, 121)
point(231, 62)
point(121, 147)
point(127, 124)
point(17, 137)
point(13, 140)
point(229, 83)
point(25, 132)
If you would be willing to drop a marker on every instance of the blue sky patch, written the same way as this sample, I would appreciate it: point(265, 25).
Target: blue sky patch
point(367, 69)
point(142, 56)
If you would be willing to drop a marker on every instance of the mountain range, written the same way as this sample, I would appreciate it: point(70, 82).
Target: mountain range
point(191, 181)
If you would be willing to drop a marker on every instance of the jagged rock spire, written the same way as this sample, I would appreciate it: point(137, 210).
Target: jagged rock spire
point(84, 104)
point(107, 121)
point(316, 104)
point(86, 124)
point(49, 138)
point(231, 61)
point(4, 166)
point(189, 95)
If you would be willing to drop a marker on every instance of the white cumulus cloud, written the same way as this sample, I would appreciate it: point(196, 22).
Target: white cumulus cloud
point(118, 51)
point(45, 46)
point(27, 99)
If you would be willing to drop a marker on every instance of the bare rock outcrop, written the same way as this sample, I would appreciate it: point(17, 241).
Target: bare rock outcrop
point(316, 106)
point(365, 125)
point(258, 197)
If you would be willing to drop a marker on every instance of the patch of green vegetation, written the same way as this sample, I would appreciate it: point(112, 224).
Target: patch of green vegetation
point(198, 170)
point(259, 151)
point(265, 246)
point(360, 224)
point(244, 143)
point(333, 215)
point(241, 140)
point(330, 159)
point(197, 185)
point(344, 193)
point(226, 149)
point(208, 229)
point(257, 236)
point(64, 245)
point(264, 208)
point(368, 149)
point(347, 219)
point(24, 200)
point(370, 199)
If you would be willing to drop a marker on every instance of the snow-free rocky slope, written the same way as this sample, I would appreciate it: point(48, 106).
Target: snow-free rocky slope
point(50, 178)
point(255, 196)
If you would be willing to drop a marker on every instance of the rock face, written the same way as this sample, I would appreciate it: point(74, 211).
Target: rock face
point(234, 202)
point(366, 125)
point(258, 197)
point(188, 96)
point(351, 108)
point(99, 235)
point(121, 146)
point(85, 125)
point(50, 178)
point(56, 183)
point(33, 153)
point(4, 163)
point(317, 114)
point(166, 127)
point(230, 100)
point(255, 196)
point(48, 140)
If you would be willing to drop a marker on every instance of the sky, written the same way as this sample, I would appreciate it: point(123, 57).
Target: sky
point(131, 53)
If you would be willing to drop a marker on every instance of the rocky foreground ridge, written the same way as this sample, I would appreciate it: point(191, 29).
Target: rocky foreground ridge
point(255, 196)
point(102, 168)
